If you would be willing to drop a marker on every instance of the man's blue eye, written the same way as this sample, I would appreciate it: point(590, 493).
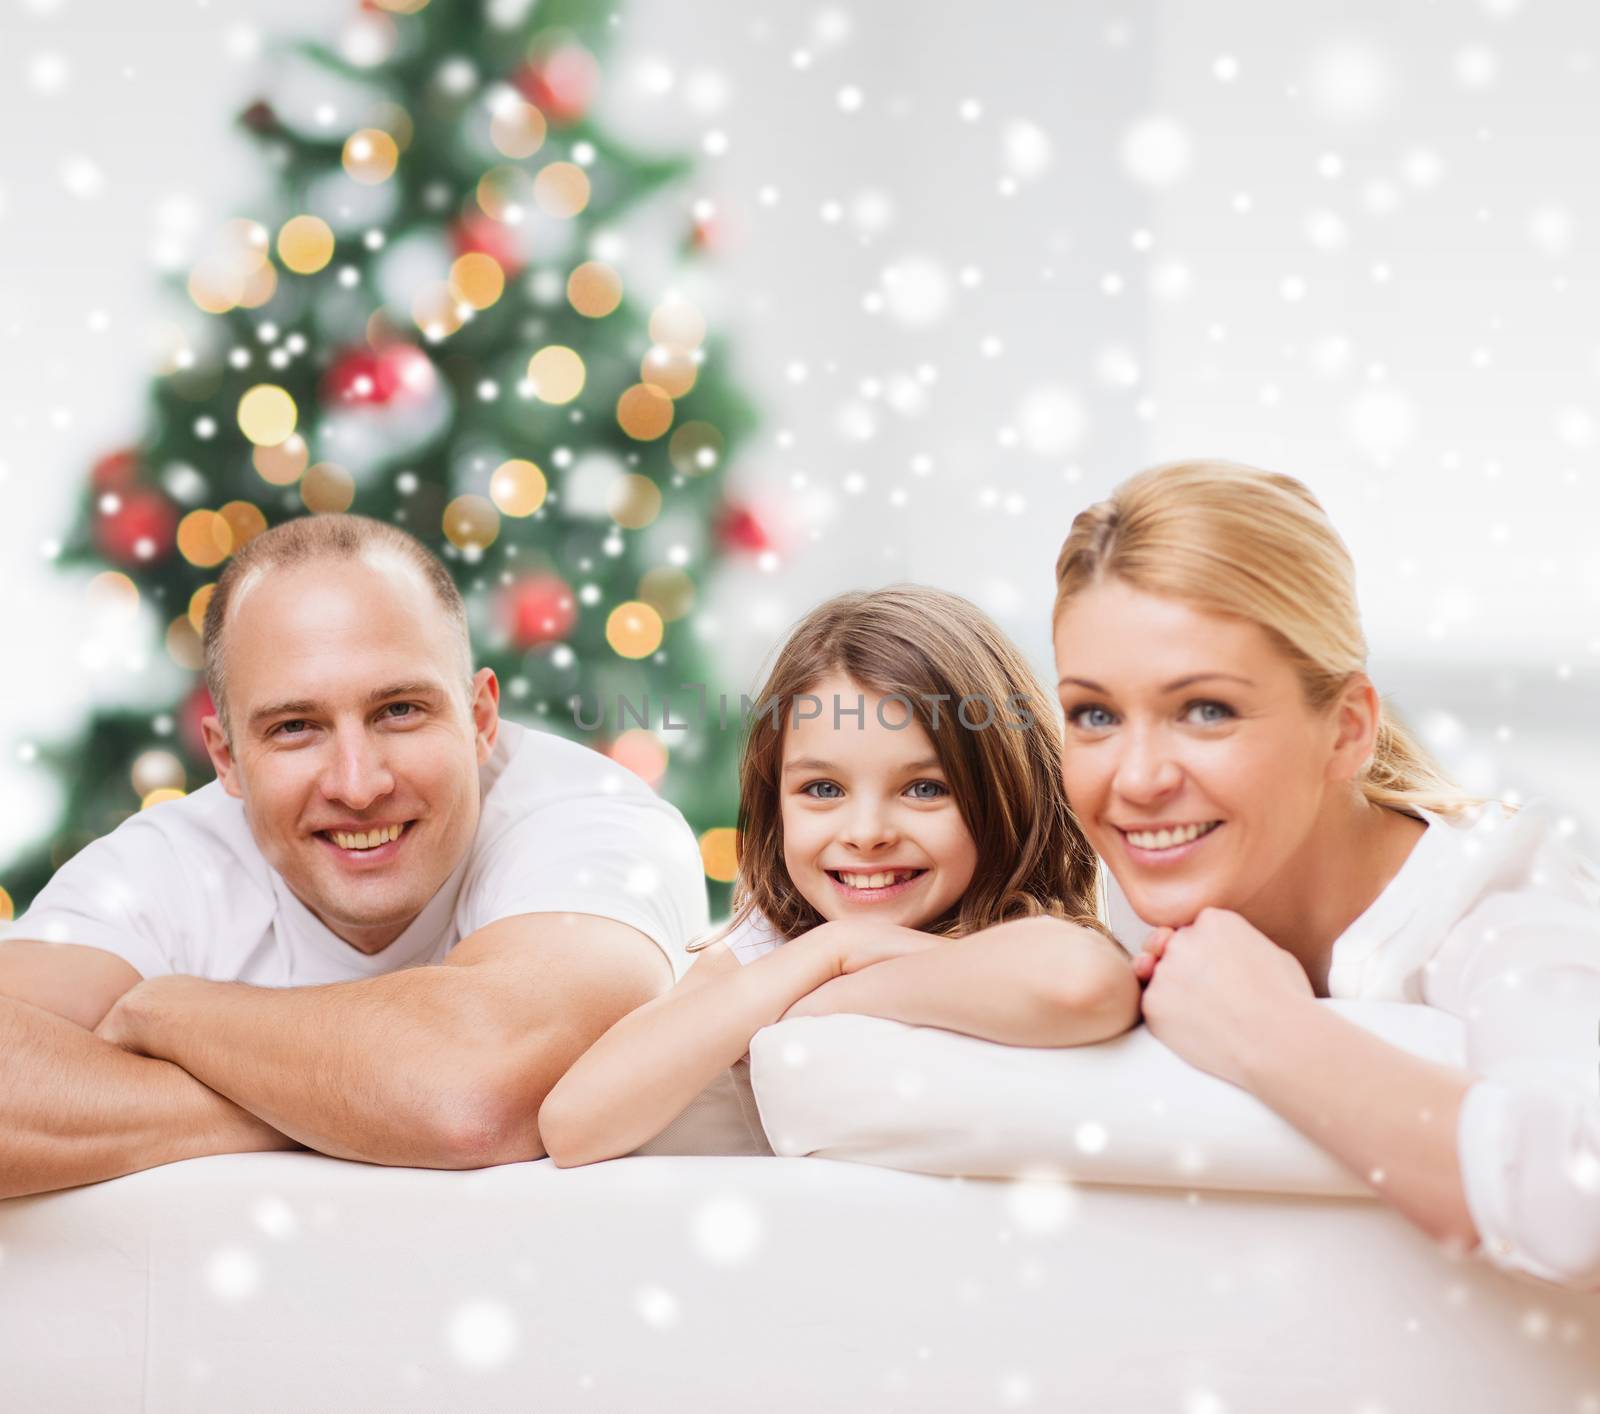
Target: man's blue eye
point(405, 708)
point(282, 729)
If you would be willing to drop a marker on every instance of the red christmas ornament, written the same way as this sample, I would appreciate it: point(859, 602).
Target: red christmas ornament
point(196, 707)
point(560, 82)
point(738, 529)
point(540, 609)
point(481, 234)
point(138, 528)
point(116, 471)
point(353, 378)
point(364, 378)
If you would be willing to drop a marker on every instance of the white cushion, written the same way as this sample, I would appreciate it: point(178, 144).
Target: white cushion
point(1125, 1111)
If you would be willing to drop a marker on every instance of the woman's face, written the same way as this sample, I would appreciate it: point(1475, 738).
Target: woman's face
point(870, 825)
point(1189, 755)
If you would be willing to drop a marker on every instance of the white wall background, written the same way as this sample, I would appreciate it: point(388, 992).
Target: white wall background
point(979, 265)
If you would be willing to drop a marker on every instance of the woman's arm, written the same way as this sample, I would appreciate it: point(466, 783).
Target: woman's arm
point(1229, 1000)
point(1030, 982)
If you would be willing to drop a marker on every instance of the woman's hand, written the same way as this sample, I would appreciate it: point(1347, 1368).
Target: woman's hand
point(1208, 985)
point(857, 943)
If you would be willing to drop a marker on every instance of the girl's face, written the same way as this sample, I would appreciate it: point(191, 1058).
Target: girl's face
point(870, 825)
point(1190, 755)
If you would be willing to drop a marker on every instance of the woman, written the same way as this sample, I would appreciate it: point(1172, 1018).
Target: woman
point(1232, 764)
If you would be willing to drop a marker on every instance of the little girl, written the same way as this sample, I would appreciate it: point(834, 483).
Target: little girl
point(905, 851)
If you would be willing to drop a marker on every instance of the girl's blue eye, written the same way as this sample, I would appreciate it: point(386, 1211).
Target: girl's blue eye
point(1093, 719)
point(807, 789)
point(1208, 713)
point(939, 787)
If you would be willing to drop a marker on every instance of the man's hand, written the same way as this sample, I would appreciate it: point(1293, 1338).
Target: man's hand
point(134, 1021)
point(1209, 987)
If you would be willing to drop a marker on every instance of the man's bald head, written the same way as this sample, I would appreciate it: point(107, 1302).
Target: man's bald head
point(305, 540)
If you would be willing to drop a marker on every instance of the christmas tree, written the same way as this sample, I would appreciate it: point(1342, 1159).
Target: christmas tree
point(434, 320)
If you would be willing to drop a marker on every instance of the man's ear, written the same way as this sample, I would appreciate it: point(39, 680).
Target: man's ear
point(485, 711)
point(1356, 716)
point(221, 755)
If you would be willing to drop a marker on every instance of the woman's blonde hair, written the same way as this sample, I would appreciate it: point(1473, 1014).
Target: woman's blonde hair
point(913, 645)
point(1249, 544)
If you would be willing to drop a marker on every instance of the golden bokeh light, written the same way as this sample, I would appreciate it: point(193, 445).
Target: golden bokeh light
point(695, 448)
point(8, 910)
point(668, 590)
point(517, 128)
point(719, 853)
point(244, 520)
point(561, 189)
point(113, 595)
point(557, 374)
point(160, 797)
point(642, 753)
point(205, 539)
point(677, 324)
point(327, 489)
point(471, 523)
point(199, 602)
point(401, 7)
point(267, 415)
point(233, 268)
point(671, 370)
point(518, 487)
point(477, 279)
point(259, 287)
point(635, 501)
point(594, 289)
point(644, 412)
point(436, 310)
point(183, 644)
point(370, 156)
point(634, 629)
point(281, 465)
point(305, 244)
point(505, 193)
point(156, 769)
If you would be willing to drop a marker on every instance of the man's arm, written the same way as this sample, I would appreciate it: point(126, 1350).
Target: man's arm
point(74, 1109)
point(434, 1067)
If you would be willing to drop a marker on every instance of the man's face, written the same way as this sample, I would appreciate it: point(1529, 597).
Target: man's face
point(353, 747)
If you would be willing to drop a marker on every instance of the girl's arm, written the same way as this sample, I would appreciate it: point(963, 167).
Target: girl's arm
point(1031, 982)
point(642, 1073)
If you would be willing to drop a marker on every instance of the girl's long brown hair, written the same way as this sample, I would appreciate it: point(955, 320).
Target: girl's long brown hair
point(1006, 777)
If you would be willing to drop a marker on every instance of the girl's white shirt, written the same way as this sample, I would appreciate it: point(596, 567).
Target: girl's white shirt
point(1496, 920)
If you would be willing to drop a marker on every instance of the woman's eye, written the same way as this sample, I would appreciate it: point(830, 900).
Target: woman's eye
point(1208, 713)
point(1092, 719)
point(940, 790)
point(811, 787)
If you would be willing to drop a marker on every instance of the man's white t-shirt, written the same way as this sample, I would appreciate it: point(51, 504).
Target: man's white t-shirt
point(1497, 921)
point(183, 888)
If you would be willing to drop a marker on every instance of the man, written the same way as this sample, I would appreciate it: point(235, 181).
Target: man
point(383, 932)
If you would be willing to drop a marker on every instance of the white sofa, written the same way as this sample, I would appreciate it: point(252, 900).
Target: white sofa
point(294, 1282)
